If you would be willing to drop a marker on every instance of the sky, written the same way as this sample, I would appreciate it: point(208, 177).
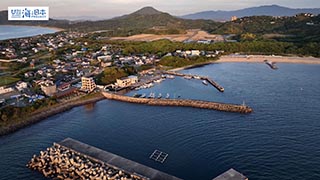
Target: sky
point(114, 8)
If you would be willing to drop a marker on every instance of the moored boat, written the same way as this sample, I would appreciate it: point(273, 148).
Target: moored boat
point(205, 82)
point(271, 64)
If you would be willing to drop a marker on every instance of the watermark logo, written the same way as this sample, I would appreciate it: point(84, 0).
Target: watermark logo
point(21, 13)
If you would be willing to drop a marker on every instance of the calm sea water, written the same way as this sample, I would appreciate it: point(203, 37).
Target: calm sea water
point(280, 140)
point(9, 32)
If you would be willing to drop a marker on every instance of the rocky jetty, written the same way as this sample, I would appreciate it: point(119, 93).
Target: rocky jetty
point(182, 103)
point(59, 162)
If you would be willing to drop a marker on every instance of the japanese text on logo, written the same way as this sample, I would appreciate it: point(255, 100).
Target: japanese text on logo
point(28, 13)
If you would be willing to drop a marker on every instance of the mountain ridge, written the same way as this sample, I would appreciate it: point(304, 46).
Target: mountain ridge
point(266, 10)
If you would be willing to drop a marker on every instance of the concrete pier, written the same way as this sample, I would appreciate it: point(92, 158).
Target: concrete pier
point(71, 159)
point(211, 81)
point(181, 103)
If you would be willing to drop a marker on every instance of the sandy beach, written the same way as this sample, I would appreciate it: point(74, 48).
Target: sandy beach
point(261, 58)
point(255, 59)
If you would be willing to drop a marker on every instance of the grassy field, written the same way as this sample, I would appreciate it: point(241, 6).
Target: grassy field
point(6, 80)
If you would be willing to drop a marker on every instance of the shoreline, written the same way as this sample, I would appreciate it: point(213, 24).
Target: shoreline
point(194, 65)
point(56, 29)
point(39, 26)
point(254, 59)
point(37, 116)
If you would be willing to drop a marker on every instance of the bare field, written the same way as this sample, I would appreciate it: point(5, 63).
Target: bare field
point(193, 35)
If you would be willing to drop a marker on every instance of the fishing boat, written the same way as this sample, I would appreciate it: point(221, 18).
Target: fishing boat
point(205, 82)
point(136, 95)
point(159, 96)
point(271, 64)
point(170, 76)
point(159, 80)
point(167, 96)
point(143, 95)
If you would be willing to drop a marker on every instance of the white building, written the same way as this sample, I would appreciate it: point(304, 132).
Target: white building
point(127, 81)
point(195, 53)
point(21, 86)
point(4, 90)
point(49, 88)
point(88, 84)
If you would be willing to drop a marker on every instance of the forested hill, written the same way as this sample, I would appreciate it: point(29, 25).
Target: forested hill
point(50, 23)
point(267, 10)
point(304, 27)
point(145, 20)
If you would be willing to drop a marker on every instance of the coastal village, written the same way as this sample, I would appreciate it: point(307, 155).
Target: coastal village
point(73, 74)
point(117, 59)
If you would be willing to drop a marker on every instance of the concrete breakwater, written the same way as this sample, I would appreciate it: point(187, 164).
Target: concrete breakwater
point(181, 103)
point(60, 162)
point(211, 81)
point(71, 159)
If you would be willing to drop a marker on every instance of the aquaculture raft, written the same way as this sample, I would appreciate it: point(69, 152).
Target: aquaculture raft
point(159, 156)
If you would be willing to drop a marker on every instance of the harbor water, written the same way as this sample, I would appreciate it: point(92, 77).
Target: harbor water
point(279, 140)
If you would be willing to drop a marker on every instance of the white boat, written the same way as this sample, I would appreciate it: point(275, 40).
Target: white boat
point(167, 96)
point(143, 96)
point(205, 82)
point(170, 76)
point(159, 96)
point(158, 80)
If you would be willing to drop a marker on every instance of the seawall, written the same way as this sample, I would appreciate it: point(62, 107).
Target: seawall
point(38, 116)
point(71, 159)
point(181, 103)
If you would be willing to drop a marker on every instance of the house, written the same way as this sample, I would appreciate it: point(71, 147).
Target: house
point(105, 58)
point(49, 88)
point(64, 86)
point(68, 92)
point(4, 90)
point(88, 84)
point(20, 86)
point(195, 53)
point(106, 64)
point(127, 81)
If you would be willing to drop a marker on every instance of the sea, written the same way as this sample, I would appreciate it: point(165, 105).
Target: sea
point(9, 32)
point(279, 140)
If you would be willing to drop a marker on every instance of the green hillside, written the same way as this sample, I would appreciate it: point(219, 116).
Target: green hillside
point(299, 28)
